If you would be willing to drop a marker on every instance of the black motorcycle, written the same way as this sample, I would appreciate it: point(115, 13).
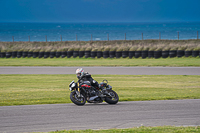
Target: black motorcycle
point(82, 92)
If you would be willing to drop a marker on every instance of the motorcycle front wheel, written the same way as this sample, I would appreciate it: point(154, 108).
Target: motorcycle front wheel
point(113, 98)
point(77, 100)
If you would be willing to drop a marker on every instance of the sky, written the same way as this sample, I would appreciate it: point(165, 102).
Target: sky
point(99, 11)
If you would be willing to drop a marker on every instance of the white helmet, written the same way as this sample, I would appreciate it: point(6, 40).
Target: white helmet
point(79, 72)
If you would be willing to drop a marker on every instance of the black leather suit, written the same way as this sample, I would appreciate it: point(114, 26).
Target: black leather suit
point(87, 77)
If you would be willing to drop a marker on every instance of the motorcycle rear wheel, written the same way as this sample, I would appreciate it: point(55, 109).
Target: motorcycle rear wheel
point(77, 100)
point(112, 100)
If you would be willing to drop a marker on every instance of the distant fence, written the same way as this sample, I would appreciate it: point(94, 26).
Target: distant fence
point(125, 37)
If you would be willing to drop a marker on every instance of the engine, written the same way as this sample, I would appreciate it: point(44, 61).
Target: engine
point(90, 89)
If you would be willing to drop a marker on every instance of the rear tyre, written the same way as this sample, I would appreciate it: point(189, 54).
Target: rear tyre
point(113, 99)
point(77, 100)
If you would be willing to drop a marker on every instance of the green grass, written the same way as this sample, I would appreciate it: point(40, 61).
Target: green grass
point(51, 89)
point(100, 45)
point(163, 129)
point(176, 62)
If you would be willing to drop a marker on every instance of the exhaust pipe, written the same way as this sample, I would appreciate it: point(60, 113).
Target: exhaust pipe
point(92, 98)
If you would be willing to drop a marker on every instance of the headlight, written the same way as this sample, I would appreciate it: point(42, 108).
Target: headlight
point(73, 85)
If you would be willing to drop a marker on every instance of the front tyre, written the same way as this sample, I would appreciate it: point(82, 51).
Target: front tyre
point(113, 98)
point(77, 100)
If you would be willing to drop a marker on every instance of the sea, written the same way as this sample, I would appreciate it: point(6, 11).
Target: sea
point(10, 32)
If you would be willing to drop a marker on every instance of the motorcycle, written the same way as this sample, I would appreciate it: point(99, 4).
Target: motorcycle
point(82, 92)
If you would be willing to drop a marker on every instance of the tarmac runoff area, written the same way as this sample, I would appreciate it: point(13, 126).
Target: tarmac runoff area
point(52, 117)
point(104, 70)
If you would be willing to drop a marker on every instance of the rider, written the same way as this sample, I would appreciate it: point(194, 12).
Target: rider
point(85, 76)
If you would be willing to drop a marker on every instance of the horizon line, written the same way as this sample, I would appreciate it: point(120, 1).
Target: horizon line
point(102, 22)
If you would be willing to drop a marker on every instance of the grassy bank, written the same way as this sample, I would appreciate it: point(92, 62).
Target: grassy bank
point(177, 62)
point(50, 89)
point(163, 129)
point(118, 45)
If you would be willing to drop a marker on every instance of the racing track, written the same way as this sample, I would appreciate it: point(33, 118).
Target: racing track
point(43, 118)
point(104, 70)
point(52, 117)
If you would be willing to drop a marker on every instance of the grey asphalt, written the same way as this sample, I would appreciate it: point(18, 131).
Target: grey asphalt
point(43, 118)
point(104, 70)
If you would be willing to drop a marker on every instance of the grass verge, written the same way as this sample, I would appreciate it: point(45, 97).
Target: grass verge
point(163, 129)
point(50, 89)
point(176, 62)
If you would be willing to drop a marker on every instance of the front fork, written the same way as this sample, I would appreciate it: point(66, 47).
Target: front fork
point(78, 92)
